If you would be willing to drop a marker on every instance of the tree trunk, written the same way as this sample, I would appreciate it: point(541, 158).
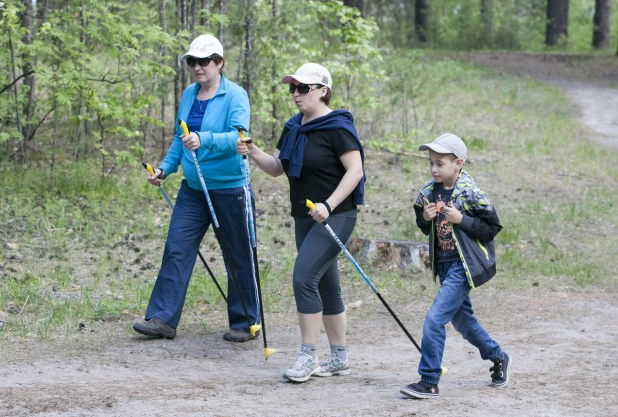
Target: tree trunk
point(193, 15)
point(162, 53)
point(20, 153)
point(601, 30)
point(222, 6)
point(487, 15)
point(557, 22)
point(421, 20)
point(203, 20)
point(28, 68)
point(406, 24)
point(275, 85)
point(81, 120)
point(182, 73)
point(250, 17)
point(410, 255)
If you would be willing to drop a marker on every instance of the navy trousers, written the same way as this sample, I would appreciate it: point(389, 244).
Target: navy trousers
point(190, 221)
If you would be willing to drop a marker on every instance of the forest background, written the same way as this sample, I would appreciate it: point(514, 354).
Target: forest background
point(90, 88)
point(101, 80)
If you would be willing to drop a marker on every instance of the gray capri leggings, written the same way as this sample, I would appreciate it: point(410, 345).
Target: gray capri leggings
point(316, 274)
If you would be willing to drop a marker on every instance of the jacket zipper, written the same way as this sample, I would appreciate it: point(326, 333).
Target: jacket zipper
point(483, 249)
point(463, 259)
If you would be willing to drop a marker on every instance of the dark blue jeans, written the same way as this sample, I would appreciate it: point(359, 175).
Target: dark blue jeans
point(453, 304)
point(190, 221)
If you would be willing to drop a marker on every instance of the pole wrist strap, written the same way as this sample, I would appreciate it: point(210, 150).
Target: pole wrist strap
point(327, 207)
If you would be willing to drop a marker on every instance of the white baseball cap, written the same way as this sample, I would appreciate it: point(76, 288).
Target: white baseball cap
point(447, 143)
point(310, 73)
point(204, 46)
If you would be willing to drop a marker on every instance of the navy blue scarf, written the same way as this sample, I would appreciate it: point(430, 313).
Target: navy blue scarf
point(293, 146)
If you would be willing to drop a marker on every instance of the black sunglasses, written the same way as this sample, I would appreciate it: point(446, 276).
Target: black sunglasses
point(302, 88)
point(202, 62)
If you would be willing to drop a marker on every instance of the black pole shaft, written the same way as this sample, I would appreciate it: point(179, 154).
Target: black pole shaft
point(259, 288)
point(212, 276)
point(398, 321)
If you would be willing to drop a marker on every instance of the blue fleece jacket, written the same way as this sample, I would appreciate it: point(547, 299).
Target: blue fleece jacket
point(221, 166)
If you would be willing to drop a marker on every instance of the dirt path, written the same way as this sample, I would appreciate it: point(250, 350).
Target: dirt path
point(564, 361)
point(594, 88)
point(562, 367)
point(599, 109)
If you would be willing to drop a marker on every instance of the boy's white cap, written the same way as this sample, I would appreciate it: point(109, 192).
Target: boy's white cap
point(310, 73)
point(204, 46)
point(447, 143)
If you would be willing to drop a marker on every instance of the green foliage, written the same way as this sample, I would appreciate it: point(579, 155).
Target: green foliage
point(86, 57)
point(344, 44)
point(458, 25)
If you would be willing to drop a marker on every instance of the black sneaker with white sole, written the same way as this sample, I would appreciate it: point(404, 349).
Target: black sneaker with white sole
point(420, 390)
point(500, 371)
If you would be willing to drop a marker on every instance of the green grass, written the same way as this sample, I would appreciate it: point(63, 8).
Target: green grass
point(87, 250)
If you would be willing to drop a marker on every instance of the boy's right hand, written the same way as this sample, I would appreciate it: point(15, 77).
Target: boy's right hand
point(429, 211)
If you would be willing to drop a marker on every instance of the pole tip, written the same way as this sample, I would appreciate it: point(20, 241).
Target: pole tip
point(254, 329)
point(268, 352)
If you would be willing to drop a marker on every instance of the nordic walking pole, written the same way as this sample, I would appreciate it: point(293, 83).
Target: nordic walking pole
point(256, 275)
point(368, 281)
point(171, 206)
point(253, 328)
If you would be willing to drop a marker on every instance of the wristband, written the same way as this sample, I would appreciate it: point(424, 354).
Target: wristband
point(327, 207)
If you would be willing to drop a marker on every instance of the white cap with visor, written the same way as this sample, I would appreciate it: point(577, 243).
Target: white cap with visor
point(204, 46)
point(310, 73)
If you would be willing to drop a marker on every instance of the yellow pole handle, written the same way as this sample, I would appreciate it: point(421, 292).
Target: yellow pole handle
point(183, 126)
point(310, 204)
point(149, 168)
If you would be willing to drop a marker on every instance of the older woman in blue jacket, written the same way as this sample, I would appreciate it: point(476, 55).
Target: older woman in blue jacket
point(212, 107)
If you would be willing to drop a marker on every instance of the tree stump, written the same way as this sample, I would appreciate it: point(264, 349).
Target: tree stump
point(407, 255)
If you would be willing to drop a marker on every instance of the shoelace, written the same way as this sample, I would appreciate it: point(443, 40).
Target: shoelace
point(496, 370)
point(300, 363)
point(332, 361)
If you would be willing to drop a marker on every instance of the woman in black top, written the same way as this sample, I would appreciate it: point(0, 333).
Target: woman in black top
point(321, 155)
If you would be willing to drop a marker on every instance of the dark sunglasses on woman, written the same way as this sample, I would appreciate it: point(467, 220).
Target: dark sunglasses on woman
point(202, 62)
point(303, 88)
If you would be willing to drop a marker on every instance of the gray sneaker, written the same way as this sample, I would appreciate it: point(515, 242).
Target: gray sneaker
point(302, 369)
point(155, 327)
point(234, 335)
point(334, 366)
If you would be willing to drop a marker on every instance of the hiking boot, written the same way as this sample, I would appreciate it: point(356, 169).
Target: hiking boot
point(234, 335)
point(155, 327)
point(500, 372)
point(421, 390)
point(302, 369)
point(334, 366)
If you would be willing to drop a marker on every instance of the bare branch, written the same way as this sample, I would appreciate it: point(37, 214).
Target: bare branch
point(6, 87)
